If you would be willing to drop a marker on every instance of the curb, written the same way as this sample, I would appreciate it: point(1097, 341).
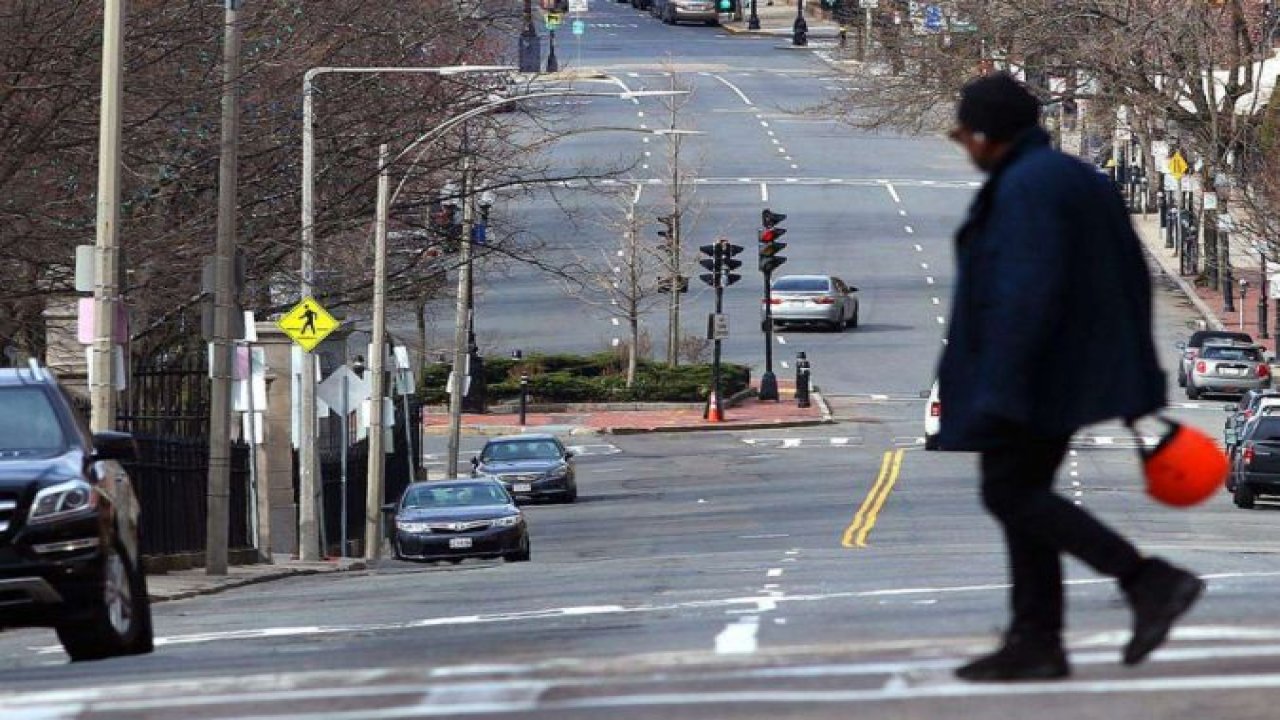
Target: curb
point(280, 574)
point(715, 426)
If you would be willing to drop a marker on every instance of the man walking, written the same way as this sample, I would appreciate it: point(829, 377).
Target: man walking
point(1048, 264)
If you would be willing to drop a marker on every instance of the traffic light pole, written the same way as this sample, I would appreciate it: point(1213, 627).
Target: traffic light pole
point(717, 413)
point(768, 381)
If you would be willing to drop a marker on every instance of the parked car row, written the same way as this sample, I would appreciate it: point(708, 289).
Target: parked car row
point(479, 516)
point(678, 11)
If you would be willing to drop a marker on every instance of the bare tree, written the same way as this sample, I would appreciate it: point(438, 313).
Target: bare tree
point(623, 279)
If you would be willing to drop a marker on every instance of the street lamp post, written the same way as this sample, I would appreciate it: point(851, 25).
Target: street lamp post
point(753, 22)
point(308, 485)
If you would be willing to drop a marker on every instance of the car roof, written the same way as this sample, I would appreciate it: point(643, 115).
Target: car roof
point(521, 438)
point(1228, 342)
point(1198, 337)
point(803, 277)
point(26, 376)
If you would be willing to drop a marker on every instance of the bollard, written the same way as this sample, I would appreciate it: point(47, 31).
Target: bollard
point(802, 380)
point(524, 396)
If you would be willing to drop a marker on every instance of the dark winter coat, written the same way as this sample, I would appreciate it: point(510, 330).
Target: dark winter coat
point(1051, 319)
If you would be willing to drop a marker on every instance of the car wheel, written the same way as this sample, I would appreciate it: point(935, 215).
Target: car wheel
point(521, 555)
point(930, 442)
point(1244, 496)
point(118, 621)
point(853, 321)
point(571, 496)
point(1182, 379)
point(1192, 392)
point(713, 23)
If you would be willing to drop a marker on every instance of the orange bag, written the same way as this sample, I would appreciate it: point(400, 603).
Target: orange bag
point(1185, 467)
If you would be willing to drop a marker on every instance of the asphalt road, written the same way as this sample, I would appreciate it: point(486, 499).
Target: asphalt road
point(819, 573)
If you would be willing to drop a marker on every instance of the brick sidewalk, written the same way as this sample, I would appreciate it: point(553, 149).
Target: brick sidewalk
point(1209, 300)
point(668, 417)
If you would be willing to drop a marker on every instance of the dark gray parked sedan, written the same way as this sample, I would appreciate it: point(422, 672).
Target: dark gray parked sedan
point(459, 519)
point(534, 466)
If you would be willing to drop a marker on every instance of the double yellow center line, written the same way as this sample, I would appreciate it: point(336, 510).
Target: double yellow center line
point(855, 536)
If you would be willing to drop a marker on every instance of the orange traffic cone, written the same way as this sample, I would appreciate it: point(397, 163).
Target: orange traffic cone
point(714, 413)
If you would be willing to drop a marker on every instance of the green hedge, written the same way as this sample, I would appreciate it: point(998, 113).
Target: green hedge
point(590, 378)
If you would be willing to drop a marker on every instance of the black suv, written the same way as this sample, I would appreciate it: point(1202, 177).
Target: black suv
point(68, 524)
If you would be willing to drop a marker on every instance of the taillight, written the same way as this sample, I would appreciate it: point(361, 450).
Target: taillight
point(935, 409)
point(1248, 455)
point(1248, 414)
point(1201, 367)
point(775, 301)
point(825, 300)
point(1263, 370)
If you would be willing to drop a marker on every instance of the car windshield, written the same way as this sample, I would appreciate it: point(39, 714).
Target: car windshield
point(454, 495)
point(521, 450)
point(29, 424)
point(1218, 352)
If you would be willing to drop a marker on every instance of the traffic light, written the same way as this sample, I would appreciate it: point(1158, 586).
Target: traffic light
point(769, 245)
point(721, 264)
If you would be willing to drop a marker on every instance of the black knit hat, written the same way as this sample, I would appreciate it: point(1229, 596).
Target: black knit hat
point(998, 106)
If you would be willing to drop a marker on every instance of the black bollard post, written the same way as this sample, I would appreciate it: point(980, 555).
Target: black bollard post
point(802, 380)
point(524, 396)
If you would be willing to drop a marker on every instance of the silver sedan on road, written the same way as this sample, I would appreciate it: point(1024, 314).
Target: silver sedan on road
point(813, 299)
point(1224, 367)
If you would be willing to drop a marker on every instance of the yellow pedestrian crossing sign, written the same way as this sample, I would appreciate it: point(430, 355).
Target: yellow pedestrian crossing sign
point(308, 323)
point(1177, 166)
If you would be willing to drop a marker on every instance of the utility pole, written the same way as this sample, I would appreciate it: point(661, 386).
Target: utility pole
point(458, 375)
point(377, 353)
point(218, 491)
point(308, 486)
point(102, 389)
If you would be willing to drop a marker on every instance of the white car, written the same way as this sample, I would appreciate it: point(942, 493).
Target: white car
point(932, 418)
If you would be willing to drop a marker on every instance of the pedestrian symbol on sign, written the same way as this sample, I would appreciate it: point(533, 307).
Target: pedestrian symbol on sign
point(308, 323)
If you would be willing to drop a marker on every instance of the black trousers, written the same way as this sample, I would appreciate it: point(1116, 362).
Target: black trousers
point(1039, 525)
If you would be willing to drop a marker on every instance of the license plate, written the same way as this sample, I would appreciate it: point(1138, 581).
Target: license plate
point(522, 487)
point(459, 543)
point(1231, 371)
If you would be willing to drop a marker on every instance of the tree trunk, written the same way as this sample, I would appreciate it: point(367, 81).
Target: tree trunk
point(633, 323)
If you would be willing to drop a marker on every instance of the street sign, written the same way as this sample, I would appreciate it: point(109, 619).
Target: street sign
point(554, 20)
point(579, 27)
point(1273, 286)
point(1210, 201)
point(932, 18)
point(577, 6)
point(1178, 165)
point(717, 326)
point(308, 323)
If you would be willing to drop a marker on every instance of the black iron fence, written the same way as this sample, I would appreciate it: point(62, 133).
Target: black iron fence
point(166, 407)
point(170, 477)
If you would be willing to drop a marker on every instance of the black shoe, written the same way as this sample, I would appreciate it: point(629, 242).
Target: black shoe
point(1022, 657)
point(1159, 594)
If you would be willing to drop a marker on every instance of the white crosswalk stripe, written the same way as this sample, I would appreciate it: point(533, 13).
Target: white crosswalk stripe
point(806, 443)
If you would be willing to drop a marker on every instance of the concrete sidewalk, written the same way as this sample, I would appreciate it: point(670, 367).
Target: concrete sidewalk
point(178, 585)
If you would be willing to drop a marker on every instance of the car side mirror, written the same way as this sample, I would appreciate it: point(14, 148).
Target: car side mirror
point(568, 454)
point(111, 445)
point(389, 509)
point(853, 289)
point(475, 461)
